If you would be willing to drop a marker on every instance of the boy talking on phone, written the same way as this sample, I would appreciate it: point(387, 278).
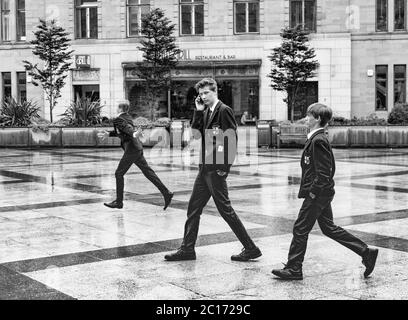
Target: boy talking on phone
point(215, 121)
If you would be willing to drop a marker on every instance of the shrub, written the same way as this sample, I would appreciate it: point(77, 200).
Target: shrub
point(371, 120)
point(399, 114)
point(16, 114)
point(83, 112)
point(162, 122)
point(142, 122)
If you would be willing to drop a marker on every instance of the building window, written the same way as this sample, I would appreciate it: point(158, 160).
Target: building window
point(6, 77)
point(86, 19)
point(5, 20)
point(399, 15)
point(382, 15)
point(303, 13)
point(192, 17)
point(381, 87)
point(246, 16)
point(136, 9)
point(22, 86)
point(400, 84)
point(21, 20)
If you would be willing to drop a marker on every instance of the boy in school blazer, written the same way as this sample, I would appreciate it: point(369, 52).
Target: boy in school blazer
point(317, 188)
point(213, 119)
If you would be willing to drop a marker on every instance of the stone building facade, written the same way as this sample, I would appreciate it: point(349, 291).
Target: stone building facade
point(360, 46)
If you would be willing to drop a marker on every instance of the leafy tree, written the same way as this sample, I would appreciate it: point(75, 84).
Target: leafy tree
point(51, 46)
point(293, 64)
point(160, 56)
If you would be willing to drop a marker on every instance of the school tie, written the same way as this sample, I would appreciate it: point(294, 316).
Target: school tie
point(209, 115)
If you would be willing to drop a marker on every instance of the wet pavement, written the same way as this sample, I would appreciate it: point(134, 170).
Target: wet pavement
point(58, 241)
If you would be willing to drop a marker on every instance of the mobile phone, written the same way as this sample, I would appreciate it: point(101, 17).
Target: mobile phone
point(199, 100)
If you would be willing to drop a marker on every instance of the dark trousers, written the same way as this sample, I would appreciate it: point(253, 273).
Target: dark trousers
point(138, 159)
point(319, 209)
point(207, 185)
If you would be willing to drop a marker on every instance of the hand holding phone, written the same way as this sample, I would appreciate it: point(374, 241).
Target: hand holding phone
point(199, 104)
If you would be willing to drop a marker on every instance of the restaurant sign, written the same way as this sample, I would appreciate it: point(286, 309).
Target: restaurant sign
point(187, 55)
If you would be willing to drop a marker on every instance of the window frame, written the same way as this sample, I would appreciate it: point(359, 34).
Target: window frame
point(3, 84)
point(192, 4)
point(247, 2)
point(386, 87)
point(386, 16)
point(400, 79)
point(21, 86)
point(87, 7)
point(405, 16)
point(2, 14)
point(303, 24)
point(20, 37)
point(139, 6)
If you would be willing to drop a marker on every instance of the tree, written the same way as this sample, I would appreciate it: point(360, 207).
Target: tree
point(160, 56)
point(51, 46)
point(292, 65)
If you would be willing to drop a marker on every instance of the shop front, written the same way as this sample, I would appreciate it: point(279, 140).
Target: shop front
point(238, 83)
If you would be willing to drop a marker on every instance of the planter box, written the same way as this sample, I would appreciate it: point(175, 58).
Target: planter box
point(51, 138)
point(180, 133)
point(371, 136)
point(155, 136)
point(109, 141)
point(292, 135)
point(79, 137)
point(14, 137)
point(397, 137)
point(160, 136)
point(339, 136)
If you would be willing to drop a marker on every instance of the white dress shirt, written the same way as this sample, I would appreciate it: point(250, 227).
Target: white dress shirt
point(313, 132)
point(214, 105)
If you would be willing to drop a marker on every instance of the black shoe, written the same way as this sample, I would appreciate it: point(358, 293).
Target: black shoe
point(288, 273)
point(181, 255)
point(167, 200)
point(369, 261)
point(247, 255)
point(114, 205)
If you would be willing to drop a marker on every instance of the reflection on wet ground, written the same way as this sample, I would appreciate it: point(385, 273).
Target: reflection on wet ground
point(58, 241)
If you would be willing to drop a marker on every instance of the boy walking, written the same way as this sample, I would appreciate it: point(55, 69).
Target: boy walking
point(317, 188)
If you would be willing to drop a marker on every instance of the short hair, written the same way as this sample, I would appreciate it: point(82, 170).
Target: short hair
point(320, 110)
point(207, 82)
point(124, 106)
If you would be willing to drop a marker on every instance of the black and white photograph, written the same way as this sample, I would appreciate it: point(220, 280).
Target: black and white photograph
point(203, 155)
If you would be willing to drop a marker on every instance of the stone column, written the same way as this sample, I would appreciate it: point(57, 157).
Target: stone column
point(14, 85)
point(1, 87)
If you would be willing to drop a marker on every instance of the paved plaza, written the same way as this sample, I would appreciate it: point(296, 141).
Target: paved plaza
point(58, 241)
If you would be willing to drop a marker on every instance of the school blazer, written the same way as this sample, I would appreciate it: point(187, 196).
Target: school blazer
point(124, 129)
point(318, 167)
point(219, 138)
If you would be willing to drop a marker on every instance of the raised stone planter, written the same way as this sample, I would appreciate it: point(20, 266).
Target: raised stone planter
point(292, 135)
point(109, 141)
point(50, 138)
point(397, 136)
point(79, 137)
point(370, 136)
point(14, 137)
point(160, 137)
point(339, 136)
